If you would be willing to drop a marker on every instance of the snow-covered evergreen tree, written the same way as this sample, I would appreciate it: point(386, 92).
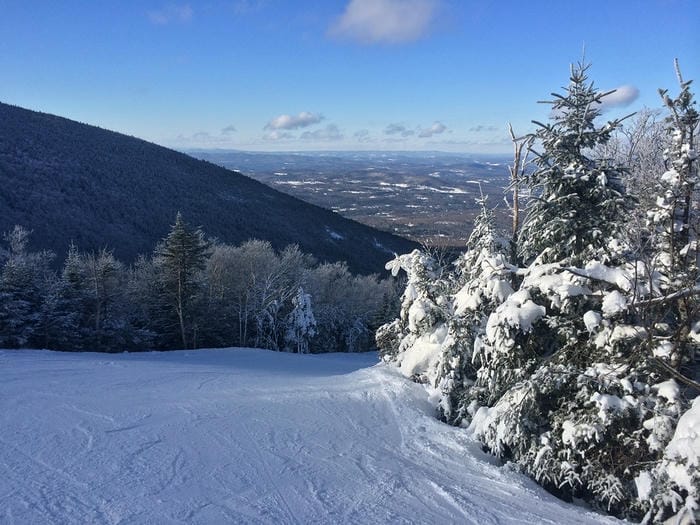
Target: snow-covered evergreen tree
point(301, 323)
point(574, 375)
point(674, 225)
point(671, 313)
point(481, 282)
point(672, 487)
point(414, 340)
point(180, 258)
point(25, 279)
point(68, 328)
point(575, 200)
point(109, 316)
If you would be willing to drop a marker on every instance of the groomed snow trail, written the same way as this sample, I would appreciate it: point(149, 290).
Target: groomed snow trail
point(241, 436)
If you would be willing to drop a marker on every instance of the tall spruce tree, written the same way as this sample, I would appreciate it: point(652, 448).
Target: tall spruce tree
point(108, 313)
point(180, 258)
point(674, 226)
point(673, 343)
point(576, 201)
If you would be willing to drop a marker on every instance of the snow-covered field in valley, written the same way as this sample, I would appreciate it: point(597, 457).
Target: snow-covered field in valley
point(242, 436)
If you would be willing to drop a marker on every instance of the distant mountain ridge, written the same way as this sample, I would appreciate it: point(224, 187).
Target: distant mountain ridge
point(72, 182)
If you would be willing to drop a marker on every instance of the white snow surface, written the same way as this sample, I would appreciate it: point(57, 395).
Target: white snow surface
point(592, 320)
point(242, 436)
point(685, 445)
point(614, 303)
point(422, 356)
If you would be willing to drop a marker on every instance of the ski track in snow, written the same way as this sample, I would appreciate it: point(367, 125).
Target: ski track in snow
point(242, 436)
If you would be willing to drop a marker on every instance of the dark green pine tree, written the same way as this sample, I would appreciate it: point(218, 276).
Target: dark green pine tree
point(180, 258)
point(576, 201)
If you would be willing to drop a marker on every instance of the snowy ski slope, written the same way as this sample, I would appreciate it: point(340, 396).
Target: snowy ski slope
point(242, 436)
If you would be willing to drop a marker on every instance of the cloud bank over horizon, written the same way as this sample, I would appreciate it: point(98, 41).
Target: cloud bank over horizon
point(436, 129)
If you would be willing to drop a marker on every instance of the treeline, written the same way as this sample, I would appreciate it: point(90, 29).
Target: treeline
point(192, 292)
point(570, 345)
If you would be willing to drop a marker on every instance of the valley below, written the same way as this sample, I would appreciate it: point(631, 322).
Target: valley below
point(428, 197)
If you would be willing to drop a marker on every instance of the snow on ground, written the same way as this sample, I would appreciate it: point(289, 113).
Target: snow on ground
point(241, 436)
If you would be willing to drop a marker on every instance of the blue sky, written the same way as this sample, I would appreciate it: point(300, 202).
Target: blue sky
point(334, 74)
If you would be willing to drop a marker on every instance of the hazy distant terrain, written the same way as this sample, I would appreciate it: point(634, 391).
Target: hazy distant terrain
point(424, 196)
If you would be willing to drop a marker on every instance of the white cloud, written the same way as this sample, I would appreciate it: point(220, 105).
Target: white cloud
point(435, 129)
point(329, 133)
point(276, 135)
point(171, 13)
point(228, 130)
point(385, 21)
point(398, 129)
point(301, 120)
point(623, 96)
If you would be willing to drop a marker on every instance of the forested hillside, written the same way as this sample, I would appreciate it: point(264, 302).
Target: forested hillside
point(70, 182)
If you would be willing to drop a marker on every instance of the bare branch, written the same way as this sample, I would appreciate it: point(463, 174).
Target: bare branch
point(676, 374)
point(680, 294)
point(677, 67)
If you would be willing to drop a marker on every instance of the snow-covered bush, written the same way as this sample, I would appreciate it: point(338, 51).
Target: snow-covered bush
point(414, 340)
